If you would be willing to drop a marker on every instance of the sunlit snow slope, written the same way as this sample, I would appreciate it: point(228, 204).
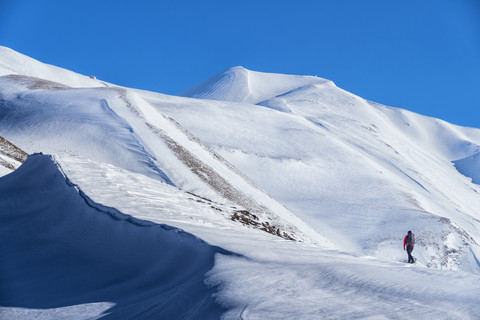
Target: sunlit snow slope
point(360, 172)
point(15, 63)
point(117, 126)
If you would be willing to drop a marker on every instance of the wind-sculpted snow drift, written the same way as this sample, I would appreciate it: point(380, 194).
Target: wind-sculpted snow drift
point(61, 249)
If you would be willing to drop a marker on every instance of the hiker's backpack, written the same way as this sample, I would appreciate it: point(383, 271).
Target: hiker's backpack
point(410, 240)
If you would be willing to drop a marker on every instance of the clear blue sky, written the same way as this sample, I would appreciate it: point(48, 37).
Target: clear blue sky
point(421, 55)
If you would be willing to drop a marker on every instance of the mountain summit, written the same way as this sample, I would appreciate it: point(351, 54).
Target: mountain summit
point(238, 84)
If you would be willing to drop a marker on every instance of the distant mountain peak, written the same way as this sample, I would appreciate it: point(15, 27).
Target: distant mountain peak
point(239, 84)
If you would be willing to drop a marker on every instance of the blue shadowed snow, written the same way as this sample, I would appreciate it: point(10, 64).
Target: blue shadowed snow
point(65, 250)
point(469, 167)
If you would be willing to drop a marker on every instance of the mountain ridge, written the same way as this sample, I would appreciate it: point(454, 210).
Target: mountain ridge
point(13, 62)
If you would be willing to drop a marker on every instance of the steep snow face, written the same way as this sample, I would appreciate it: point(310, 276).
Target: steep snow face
point(241, 85)
point(12, 62)
point(65, 250)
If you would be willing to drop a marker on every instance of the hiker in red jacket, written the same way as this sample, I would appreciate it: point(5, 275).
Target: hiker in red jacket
point(410, 242)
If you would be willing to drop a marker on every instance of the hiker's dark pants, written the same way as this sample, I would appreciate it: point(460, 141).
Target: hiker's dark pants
point(410, 257)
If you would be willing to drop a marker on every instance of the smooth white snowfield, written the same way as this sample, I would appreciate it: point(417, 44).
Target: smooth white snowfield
point(344, 176)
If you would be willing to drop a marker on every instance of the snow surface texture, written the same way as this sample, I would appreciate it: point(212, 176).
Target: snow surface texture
point(74, 258)
point(65, 250)
point(294, 156)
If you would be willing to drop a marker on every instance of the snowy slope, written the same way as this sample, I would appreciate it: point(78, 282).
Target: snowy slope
point(270, 278)
point(116, 126)
point(314, 152)
point(360, 173)
point(12, 62)
point(86, 260)
point(294, 156)
point(76, 121)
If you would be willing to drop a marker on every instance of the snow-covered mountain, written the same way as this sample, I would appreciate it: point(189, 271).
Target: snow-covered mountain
point(300, 192)
point(358, 172)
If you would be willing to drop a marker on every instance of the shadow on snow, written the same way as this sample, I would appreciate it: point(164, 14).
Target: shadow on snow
point(61, 249)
